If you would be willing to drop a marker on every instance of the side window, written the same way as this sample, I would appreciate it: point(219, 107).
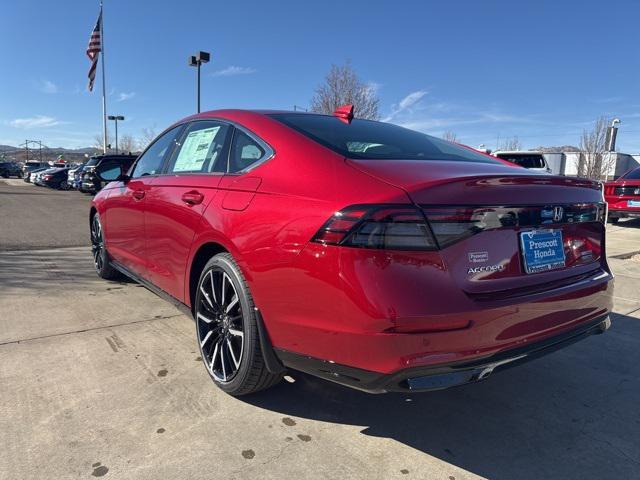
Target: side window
point(245, 151)
point(201, 149)
point(150, 163)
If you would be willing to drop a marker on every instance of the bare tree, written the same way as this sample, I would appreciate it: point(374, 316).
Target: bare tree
point(342, 86)
point(594, 161)
point(511, 144)
point(450, 136)
point(97, 142)
point(127, 144)
point(146, 137)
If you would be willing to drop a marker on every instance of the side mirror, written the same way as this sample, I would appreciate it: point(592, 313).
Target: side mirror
point(124, 178)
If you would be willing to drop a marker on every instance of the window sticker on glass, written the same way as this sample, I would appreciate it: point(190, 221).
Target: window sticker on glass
point(195, 150)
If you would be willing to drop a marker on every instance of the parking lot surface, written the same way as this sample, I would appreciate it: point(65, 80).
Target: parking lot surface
point(103, 379)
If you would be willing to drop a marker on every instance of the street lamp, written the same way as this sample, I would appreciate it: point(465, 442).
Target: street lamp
point(196, 61)
point(115, 118)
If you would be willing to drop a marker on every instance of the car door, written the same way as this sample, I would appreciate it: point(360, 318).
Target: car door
point(125, 206)
point(177, 199)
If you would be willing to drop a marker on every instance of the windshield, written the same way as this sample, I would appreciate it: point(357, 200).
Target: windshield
point(92, 162)
point(526, 161)
point(367, 139)
point(633, 175)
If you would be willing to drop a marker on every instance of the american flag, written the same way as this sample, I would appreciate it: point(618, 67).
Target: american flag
point(94, 49)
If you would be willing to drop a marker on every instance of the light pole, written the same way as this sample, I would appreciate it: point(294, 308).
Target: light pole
point(196, 61)
point(115, 118)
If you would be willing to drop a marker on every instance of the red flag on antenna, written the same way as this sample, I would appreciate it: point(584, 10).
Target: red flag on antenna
point(344, 113)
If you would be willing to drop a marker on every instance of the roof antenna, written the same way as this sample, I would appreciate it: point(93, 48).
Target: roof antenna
point(344, 113)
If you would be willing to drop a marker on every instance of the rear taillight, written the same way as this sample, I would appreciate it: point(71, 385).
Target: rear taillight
point(386, 227)
point(47, 177)
point(396, 227)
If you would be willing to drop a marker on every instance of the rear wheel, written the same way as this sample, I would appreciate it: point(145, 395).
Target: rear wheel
point(100, 255)
point(227, 331)
point(64, 185)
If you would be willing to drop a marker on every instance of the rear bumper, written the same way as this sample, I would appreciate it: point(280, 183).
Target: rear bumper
point(438, 377)
point(635, 213)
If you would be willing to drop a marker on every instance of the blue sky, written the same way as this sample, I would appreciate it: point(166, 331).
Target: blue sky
point(490, 69)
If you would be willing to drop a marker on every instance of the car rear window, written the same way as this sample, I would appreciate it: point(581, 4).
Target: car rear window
point(633, 174)
point(526, 161)
point(92, 162)
point(366, 139)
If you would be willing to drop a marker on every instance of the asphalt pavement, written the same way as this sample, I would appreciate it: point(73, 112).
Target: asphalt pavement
point(39, 217)
point(103, 379)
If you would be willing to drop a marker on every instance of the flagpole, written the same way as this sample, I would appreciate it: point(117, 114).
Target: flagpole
point(104, 88)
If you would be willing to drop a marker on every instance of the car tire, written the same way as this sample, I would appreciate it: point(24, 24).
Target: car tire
point(64, 185)
point(100, 256)
point(614, 220)
point(227, 329)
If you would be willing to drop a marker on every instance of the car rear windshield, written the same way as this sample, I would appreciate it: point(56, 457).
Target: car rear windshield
point(92, 162)
point(526, 161)
point(633, 175)
point(366, 139)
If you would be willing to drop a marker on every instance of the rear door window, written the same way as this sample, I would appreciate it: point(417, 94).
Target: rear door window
point(202, 149)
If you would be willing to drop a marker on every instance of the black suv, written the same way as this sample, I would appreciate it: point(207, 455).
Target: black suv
point(91, 183)
point(10, 169)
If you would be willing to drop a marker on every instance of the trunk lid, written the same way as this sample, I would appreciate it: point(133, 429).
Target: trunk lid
point(490, 220)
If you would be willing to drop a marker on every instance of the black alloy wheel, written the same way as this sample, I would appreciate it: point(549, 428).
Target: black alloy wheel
point(226, 329)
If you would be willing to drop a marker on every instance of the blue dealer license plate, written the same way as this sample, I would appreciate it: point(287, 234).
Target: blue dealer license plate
point(542, 250)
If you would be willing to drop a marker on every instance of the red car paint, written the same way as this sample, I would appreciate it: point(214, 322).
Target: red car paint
point(376, 310)
point(623, 195)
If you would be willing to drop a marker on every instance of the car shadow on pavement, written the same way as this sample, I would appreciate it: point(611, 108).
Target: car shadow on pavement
point(571, 414)
point(629, 223)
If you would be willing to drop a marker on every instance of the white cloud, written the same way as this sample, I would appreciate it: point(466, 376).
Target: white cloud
point(124, 96)
point(39, 121)
point(232, 71)
point(407, 103)
point(46, 86)
point(411, 99)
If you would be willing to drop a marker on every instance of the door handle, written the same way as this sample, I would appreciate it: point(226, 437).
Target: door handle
point(138, 194)
point(192, 198)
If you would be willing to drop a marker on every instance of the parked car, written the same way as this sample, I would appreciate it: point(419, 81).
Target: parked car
point(10, 169)
point(71, 174)
point(531, 160)
point(57, 178)
point(358, 251)
point(38, 179)
point(91, 183)
point(623, 196)
point(30, 166)
point(77, 178)
point(31, 175)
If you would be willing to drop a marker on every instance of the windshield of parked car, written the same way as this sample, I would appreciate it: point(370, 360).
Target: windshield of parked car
point(633, 175)
point(526, 161)
point(367, 139)
point(92, 162)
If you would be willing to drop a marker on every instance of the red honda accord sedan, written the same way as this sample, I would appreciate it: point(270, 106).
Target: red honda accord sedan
point(357, 251)
point(623, 196)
